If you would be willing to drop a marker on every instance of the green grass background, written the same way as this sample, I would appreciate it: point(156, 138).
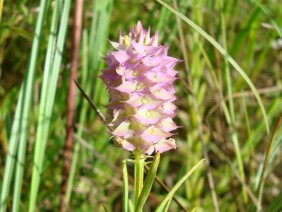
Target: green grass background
point(217, 110)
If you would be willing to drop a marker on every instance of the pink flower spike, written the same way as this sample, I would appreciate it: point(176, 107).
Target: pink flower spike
point(139, 79)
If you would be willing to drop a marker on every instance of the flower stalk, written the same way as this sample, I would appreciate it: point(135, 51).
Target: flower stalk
point(139, 79)
point(139, 163)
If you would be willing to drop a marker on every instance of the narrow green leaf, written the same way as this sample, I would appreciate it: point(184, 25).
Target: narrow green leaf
point(11, 156)
point(225, 54)
point(20, 124)
point(234, 133)
point(148, 183)
point(125, 187)
point(131, 205)
point(92, 45)
point(166, 207)
point(53, 63)
point(139, 163)
point(177, 185)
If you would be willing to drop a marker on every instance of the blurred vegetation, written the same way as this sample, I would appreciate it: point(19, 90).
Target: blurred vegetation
point(231, 120)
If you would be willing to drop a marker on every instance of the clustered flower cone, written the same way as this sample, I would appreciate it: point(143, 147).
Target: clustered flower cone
point(139, 79)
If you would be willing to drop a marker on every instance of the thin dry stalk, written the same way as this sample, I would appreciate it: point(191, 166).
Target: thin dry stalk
point(268, 153)
point(67, 152)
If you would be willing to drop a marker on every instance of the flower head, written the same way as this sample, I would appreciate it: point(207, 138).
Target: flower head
point(139, 79)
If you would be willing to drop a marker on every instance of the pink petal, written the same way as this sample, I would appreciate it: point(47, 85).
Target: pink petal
point(161, 93)
point(142, 100)
point(168, 108)
point(118, 46)
point(110, 60)
point(128, 87)
point(149, 102)
point(147, 116)
point(159, 77)
point(110, 77)
point(123, 130)
point(120, 70)
point(136, 100)
point(119, 117)
point(147, 37)
point(154, 134)
point(152, 61)
point(162, 146)
point(125, 144)
point(139, 27)
point(144, 50)
point(154, 39)
point(120, 56)
point(168, 125)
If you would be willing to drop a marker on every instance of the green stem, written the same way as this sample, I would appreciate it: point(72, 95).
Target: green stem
point(138, 174)
point(125, 187)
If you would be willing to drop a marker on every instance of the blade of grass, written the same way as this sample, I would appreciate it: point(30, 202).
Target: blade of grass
point(11, 157)
point(167, 190)
point(96, 39)
point(139, 163)
point(231, 103)
point(270, 152)
point(257, 136)
point(196, 107)
point(222, 155)
point(46, 105)
point(249, 131)
point(224, 53)
point(21, 120)
point(148, 183)
point(176, 186)
point(131, 205)
point(166, 207)
point(100, 41)
point(28, 85)
point(125, 187)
